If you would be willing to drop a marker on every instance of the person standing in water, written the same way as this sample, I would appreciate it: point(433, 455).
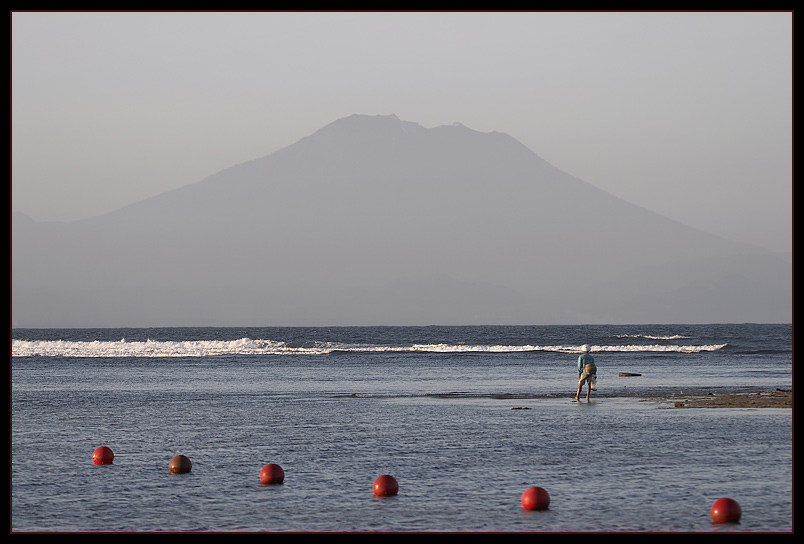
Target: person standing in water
point(587, 372)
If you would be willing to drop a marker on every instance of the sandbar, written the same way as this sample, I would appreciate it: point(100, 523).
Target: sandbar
point(778, 398)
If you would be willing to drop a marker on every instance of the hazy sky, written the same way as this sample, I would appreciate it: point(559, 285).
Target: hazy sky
point(686, 114)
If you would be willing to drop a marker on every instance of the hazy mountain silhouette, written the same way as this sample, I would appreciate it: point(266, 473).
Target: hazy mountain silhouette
point(373, 220)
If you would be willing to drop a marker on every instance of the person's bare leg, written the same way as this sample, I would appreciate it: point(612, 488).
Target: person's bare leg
point(578, 393)
point(588, 390)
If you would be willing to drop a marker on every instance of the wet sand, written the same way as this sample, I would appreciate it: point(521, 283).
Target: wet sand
point(766, 399)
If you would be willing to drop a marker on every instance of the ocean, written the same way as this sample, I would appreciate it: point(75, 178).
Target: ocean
point(464, 418)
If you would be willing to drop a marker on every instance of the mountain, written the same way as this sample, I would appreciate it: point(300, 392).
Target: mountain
point(376, 221)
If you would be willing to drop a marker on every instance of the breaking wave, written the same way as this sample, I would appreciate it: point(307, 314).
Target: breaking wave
point(246, 346)
point(653, 337)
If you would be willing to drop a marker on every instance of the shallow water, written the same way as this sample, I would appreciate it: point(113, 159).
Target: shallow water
point(464, 434)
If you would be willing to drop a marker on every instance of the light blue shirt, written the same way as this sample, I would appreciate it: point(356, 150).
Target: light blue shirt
point(584, 359)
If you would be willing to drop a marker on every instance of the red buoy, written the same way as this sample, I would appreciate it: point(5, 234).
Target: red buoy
point(535, 498)
point(272, 474)
point(180, 464)
point(102, 456)
point(725, 510)
point(385, 486)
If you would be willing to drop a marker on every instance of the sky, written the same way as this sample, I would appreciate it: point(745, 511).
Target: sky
point(687, 114)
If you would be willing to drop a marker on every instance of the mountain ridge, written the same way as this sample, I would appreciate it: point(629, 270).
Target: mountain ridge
point(355, 206)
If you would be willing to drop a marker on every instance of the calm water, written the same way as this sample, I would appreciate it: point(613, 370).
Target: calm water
point(465, 418)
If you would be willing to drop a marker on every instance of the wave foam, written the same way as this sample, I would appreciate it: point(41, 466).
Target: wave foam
point(246, 346)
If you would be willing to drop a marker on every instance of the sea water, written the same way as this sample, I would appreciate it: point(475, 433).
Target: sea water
point(465, 418)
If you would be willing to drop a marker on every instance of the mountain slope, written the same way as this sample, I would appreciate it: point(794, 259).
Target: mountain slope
point(322, 232)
